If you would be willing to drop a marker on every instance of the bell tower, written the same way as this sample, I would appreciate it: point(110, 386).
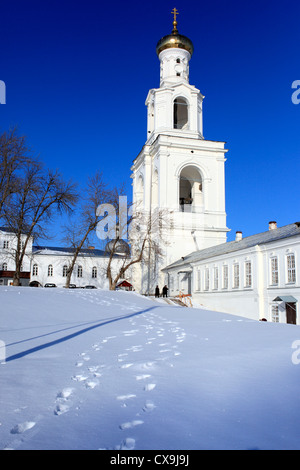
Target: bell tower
point(178, 172)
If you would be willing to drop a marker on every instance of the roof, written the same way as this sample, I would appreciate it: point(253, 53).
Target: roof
point(279, 233)
point(55, 250)
point(285, 298)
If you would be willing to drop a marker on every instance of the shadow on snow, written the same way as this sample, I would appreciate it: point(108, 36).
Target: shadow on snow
point(71, 336)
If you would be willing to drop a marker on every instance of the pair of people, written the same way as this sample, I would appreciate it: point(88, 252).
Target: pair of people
point(164, 291)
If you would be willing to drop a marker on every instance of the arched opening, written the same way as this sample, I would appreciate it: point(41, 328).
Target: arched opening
point(190, 190)
point(180, 113)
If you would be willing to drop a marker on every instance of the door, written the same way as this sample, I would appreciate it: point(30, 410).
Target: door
point(291, 312)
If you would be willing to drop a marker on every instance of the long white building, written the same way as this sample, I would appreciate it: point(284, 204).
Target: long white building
point(256, 277)
point(44, 265)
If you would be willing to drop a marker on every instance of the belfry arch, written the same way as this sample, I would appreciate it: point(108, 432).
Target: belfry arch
point(190, 189)
point(180, 113)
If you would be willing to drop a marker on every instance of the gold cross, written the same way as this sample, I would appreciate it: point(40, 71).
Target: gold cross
point(175, 13)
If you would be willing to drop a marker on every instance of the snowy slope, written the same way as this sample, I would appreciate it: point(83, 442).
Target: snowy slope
point(92, 369)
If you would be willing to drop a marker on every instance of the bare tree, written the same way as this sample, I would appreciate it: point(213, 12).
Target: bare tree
point(145, 239)
point(79, 233)
point(14, 156)
point(40, 195)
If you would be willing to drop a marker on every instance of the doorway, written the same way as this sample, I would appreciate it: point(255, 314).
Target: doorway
point(291, 316)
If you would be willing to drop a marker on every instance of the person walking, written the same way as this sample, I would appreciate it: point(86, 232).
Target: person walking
point(165, 291)
point(156, 291)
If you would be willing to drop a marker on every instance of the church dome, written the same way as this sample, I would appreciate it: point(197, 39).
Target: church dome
point(174, 40)
point(119, 248)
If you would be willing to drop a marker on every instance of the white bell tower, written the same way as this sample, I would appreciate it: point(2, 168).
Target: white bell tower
point(178, 172)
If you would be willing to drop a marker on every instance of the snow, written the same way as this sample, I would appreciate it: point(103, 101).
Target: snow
point(94, 369)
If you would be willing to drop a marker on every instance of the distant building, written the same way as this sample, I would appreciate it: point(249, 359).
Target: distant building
point(255, 277)
point(48, 265)
point(8, 245)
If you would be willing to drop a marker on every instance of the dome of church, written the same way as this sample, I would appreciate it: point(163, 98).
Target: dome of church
point(174, 39)
point(120, 248)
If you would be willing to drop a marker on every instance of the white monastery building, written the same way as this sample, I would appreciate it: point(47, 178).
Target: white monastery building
point(178, 178)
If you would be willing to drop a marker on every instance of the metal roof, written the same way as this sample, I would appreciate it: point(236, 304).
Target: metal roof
point(263, 238)
point(54, 250)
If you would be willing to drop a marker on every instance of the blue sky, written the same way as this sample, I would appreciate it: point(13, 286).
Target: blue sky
point(77, 75)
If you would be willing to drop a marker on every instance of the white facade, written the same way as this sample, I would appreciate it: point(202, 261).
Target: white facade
point(8, 246)
point(47, 265)
point(178, 172)
point(245, 277)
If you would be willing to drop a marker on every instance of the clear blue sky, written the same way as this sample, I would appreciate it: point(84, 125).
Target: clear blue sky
point(77, 75)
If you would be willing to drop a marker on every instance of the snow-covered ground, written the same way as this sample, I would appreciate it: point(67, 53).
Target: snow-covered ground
point(93, 369)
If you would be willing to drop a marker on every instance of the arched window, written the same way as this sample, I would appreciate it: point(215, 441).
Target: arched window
point(35, 270)
point(50, 270)
point(140, 190)
point(180, 113)
point(4, 267)
point(94, 272)
point(65, 270)
point(190, 190)
point(79, 271)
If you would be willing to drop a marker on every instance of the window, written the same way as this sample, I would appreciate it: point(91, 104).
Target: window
point(225, 276)
point(4, 267)
point(35, 270)
point(198, 279)
point(178, 61)
point(65, 270)
point(180, 113)
point(50, 270)
point(207, 279)
point(216, 278)
point(79, 271)
point(291, 268)
point(275, 313)
point(5, 244)
point(248, 274)
point(274, 271)
point(94, 272)
point(236, 276)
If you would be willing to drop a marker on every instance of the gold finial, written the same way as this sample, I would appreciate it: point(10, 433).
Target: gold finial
point(175, 13)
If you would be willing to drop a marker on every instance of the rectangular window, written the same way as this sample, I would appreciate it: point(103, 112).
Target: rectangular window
point(50, 270)
point(225, 276)
point(275, 313)
point(291, 268)
point(6, 244)
point(274, 271)
point(198, 279)
point(216, 278)
point(236, 276)
point(207, 279)
point(79, 271)
point(248, 274)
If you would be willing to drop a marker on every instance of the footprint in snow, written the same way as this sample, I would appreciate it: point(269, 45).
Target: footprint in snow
point(148, 407)
point(127, 444)
point(131, 424)
point(22, 427)
point(149, 387)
